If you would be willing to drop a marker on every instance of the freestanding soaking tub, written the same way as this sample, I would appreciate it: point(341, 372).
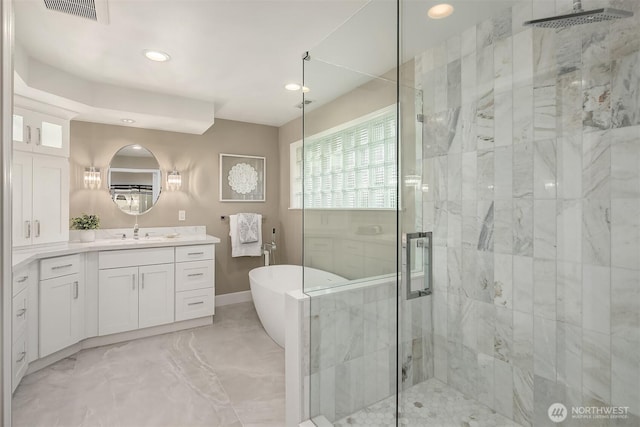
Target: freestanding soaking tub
point(269, 285)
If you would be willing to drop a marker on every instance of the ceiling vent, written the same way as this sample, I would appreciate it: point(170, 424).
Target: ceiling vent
point(95, 10)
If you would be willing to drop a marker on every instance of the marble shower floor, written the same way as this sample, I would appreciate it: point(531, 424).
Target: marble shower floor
point(428, 404)
point(227, 374)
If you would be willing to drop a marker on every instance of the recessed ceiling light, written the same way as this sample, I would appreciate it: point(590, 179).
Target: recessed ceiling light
point(292, 86)
point(156, 55)
point(136, 147)
point(128, 121)
point(440, 11)
point(305, 89)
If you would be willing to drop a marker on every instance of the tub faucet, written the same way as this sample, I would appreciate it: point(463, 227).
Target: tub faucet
point(273, 239)
point(135, 231)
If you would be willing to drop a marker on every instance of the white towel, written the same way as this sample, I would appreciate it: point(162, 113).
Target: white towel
point(248, 227)
point(244, 249)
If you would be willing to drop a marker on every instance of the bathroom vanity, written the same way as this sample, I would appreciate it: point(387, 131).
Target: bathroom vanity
point(81, 295)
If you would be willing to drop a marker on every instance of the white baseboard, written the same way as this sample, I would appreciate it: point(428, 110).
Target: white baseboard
point(233, 298)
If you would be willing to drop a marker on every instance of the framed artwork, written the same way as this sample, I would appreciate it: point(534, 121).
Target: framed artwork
point(242, 178)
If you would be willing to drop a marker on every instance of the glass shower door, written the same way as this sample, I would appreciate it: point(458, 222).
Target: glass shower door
point(349, 194)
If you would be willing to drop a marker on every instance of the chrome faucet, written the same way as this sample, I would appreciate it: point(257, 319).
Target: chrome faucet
point(273, 239)
point(135, 231)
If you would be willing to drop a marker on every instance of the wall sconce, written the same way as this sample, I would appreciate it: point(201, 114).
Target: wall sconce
point(92, 178)
point(174, 180)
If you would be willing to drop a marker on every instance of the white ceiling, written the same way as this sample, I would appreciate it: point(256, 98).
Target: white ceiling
point(230, 58)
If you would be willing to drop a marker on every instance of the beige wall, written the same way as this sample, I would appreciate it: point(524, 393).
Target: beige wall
point(196, 157)
point(291, 236)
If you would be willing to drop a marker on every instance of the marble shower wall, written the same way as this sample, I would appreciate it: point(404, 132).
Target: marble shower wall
point(532, 163)
point(352, 347)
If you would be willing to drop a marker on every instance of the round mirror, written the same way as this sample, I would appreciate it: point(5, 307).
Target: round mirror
point(134, 179)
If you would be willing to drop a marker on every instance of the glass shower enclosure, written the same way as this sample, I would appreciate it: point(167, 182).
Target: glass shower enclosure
point(471, 207)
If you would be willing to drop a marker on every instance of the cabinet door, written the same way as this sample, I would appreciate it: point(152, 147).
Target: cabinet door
point(117, 300)
point(61, 302)
point(23, 130)
point(22, 227)
point(51, 135)
point(157, 295)
point(50, 199)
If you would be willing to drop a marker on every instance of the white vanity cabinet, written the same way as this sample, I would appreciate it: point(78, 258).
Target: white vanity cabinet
point(40, 173)
point(61, 303)
point(36, 132)
point(24, 321)
point(40, 199)
point(64, 303)
point(195, 273)
point(136, 289)
point(19, 325)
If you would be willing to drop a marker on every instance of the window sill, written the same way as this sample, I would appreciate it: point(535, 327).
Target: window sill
point(344, 209)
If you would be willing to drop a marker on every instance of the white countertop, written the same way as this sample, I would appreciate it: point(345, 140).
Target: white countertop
point(22, 257)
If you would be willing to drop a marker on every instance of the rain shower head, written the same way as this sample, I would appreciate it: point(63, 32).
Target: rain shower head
point(579, 17)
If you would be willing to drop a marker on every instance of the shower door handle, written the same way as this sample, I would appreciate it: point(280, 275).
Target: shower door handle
point(423, 241)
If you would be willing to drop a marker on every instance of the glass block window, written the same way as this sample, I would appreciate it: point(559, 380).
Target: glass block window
point(352, 166)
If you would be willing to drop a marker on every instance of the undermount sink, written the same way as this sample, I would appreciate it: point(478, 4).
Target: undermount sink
point(131, 240)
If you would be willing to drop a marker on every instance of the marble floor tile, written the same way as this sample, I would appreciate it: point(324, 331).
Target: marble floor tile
point(227, 374)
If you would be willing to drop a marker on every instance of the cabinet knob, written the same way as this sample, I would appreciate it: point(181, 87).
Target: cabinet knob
point(22, 356)
point(28, 134)
point(21, 312)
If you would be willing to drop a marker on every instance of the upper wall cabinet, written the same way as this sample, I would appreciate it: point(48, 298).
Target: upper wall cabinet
point(40, 133)
point(40, 199)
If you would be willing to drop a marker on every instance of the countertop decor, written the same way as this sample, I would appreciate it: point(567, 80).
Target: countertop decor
point(87, 224)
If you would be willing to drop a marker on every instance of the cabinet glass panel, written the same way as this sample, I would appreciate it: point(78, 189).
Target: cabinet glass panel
point(51, 135)
point(18, 128)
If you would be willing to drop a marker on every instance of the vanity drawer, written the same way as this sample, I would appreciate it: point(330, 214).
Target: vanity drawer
point(194, 253)
point(21, 280)
point(18, 360)
point(194, 304)
point(20, 305)
point(134, 257)
point(194, 275)
point(59, 266)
